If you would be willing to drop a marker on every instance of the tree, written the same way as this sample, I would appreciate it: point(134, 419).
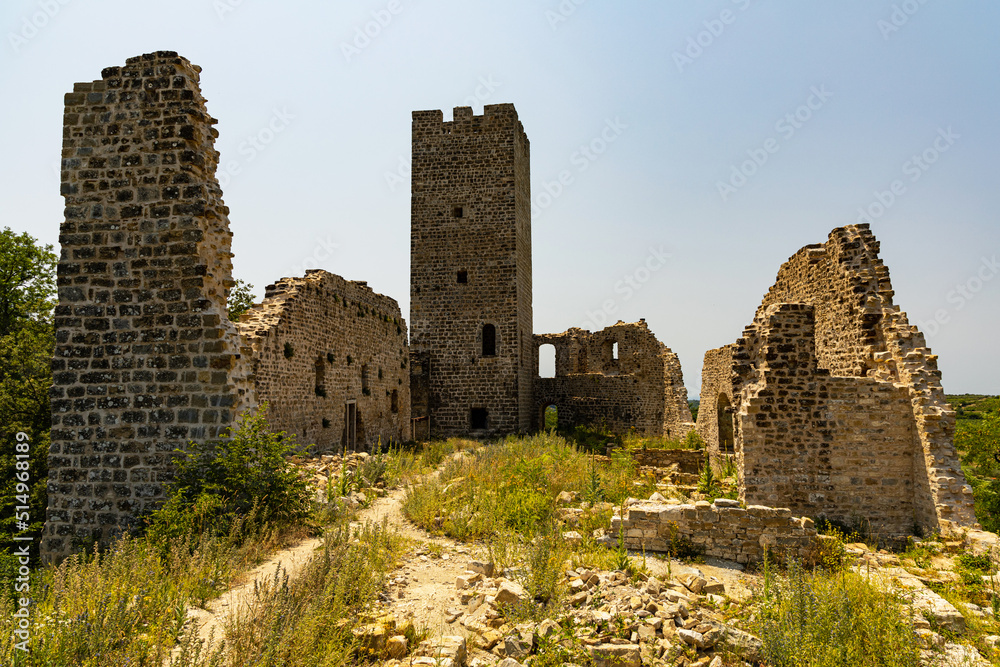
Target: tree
point(240, 299)
point(979, 442)
point(27, 300)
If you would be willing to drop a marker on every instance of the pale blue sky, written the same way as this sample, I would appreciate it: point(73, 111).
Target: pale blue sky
point(329, 191)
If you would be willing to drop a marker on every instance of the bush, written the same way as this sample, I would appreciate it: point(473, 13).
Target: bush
point(831, 619)
point(244, 476)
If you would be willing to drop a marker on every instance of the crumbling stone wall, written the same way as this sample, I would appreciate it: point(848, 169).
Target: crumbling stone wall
point(721, 529)
point(716, 403)
point(470, 272)
point(641, 388)
point(866, 397)
point(320, 344)
point(688, 461)
point(145, 357)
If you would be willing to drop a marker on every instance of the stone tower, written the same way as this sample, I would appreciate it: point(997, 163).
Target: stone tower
point(146, 358)
point(470, 274)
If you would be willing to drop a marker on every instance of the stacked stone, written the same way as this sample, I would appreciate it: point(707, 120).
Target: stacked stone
point(145, 357)
point(642, 390)
point(470, 271)
point(688, 461)
point(861, 430)
point(319, 342)
point(722, 529)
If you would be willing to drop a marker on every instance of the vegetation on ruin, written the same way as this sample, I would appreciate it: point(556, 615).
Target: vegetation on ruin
point(977, 438)
point(239, 300)
point(831, 618)
point(27, 300)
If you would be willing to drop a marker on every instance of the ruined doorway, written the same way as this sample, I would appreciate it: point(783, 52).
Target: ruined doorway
point(350, 426)
point(550, 418)
point(724, 414)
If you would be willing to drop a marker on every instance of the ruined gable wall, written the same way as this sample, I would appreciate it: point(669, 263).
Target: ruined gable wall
point(347, 343)
point(145, 357)
point(860, 332)
point(642, 389)
point(837, 447)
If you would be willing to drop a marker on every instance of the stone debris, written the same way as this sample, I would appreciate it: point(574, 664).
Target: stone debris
point(448, 647)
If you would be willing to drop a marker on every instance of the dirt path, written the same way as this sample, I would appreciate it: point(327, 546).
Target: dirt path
point(423, 588)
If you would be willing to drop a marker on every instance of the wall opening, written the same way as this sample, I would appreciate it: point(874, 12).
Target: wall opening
point(614, 351)
point(394, 401)
point(550, 418)
point(320, 376)
point(458, 212)
point(489, 340)
point(478, 419)
point(350, 440)
point(365, 389)
point(547, 360)
point(724, 414)
point(463, 277)
point(581, 360)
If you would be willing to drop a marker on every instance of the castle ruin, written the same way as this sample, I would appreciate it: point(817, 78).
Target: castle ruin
point(620, 378)
point(830, 401)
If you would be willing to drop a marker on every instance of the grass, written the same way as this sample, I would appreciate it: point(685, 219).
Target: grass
point(830, 619)
point(327, 615)
point(512, 485)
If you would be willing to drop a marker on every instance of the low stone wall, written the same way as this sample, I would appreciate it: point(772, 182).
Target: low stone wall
point(720, 529)
point(689, 461)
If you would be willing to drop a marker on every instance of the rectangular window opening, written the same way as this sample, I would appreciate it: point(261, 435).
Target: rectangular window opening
point(463, 277)
point(457, 212)
point(478, 418)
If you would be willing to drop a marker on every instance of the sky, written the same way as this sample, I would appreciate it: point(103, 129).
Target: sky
point(680, 151)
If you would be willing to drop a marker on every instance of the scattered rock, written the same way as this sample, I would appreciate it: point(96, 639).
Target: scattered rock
point(448, 647)
point(572, 537)
point(396, 647)
point(515, 647)
point(509, 662)
point(566, 497)
point(510, 593)
point(615, 655)
point(485, 569)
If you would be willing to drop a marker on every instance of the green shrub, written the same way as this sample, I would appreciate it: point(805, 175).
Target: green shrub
point(825, 619)
point(245, 475)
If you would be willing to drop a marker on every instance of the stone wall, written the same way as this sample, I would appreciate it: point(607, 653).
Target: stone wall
point(470, 271)
point(722, 529)
point(833, 416)
point(320, 344)
point(640, 389)
point(145, 357)
point(688, 461)
point(717, 401)
point(837, 447)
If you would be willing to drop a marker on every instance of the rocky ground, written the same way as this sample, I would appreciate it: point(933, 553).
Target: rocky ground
point(672, 614)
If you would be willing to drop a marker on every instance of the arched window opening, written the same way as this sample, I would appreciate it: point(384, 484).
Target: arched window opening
point(489, 340)
point(547, 361)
